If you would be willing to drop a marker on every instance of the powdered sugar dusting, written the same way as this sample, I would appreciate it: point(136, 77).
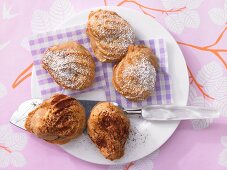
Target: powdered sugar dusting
point(66, 68)
point(142, 74)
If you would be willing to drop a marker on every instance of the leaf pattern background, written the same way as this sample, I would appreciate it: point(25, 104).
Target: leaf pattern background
point(211, 78)
point(223, 155)
point(7, 12)
point(24, 43)
point(225, 5)
point(221, 105)
point(223, 158)
point(219, 15)
point(10, 146)
point(43, 21)
point(4, 159)
point(60, 11)
point(195, 100)
point(171, 4)
point(4, 45)
point(5, 132)
point(174, 23)
point(224, 141)
point(188, 17)
point(17, 141)
point(3, 90)
point(193, 4)
point(17, 159)
point(40, 21)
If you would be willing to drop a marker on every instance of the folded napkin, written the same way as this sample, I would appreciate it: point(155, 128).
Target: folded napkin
point(39, 43)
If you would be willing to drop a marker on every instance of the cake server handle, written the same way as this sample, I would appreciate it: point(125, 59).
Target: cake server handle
point(173, 112)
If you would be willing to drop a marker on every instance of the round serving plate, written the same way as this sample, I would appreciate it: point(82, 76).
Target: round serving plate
point(148, 136)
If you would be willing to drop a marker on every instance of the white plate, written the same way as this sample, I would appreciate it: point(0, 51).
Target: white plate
point(150, 135)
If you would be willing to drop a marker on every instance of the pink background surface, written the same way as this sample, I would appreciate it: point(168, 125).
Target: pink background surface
point(195, 145)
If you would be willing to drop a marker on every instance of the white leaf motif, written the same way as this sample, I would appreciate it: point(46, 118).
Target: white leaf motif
point(4, 159)
point(190, 18)
point(199, 101)
point(6, 12)
point(17, 159)
point(174, 4)
point(174, 23)
point(221, 105)
point(212, 80)
point(218, 16)
point(3, 45)
point(193, 4)
point(201, 123)
point(60, 11)
point(5, 132)
point(10, 144)
point(180, 4)
point(211, 70)
point(168, 4)
point(225, 5)
point(195, 100)
point(224, 141)
point(223, 158)
point(217, 89)
point(192, 94)
point(24, 43)
point(3, 90)
point(40, 22)
point(17, 141)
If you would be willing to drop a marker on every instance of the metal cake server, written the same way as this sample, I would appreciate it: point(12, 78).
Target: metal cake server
point(151, 112)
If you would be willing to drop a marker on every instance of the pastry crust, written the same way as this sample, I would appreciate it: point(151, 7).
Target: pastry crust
point(57, 120)
point(108, 128)
point(70, 65)
point(110, 35)
point(135, 76)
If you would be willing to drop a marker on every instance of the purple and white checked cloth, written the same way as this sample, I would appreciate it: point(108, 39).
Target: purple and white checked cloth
point(39, 43)
point(163, 92)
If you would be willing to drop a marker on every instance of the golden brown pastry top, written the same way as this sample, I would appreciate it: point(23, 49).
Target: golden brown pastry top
point(135, 76)
point(70, 65)
point(108, 128)
point(110, 35)
point(57, 120)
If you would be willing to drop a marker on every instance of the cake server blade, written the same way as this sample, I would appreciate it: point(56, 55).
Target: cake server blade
point(19, 116)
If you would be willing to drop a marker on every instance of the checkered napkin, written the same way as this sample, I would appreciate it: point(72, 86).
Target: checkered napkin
point(163, 90)
point(39, 43)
